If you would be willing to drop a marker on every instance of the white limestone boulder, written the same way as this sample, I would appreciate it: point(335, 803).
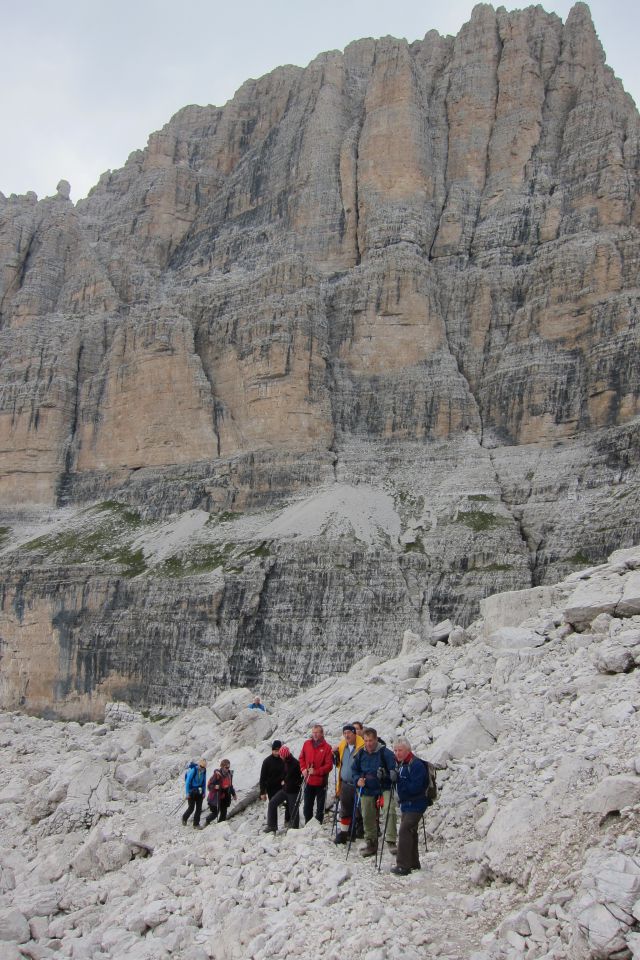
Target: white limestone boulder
point(80, 791)
point(613, 794)
point(629, 605)
point(592, 597)
point(466, 737)
point(514, 638)
point(613, 658)
point(512, 841)
point(13, 925)
point(232, 702)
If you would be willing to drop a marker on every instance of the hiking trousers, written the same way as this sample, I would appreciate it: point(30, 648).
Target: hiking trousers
point(313, 795)
point(370, 818)
point(408, 857)
point(195, 803)
point(272, 809)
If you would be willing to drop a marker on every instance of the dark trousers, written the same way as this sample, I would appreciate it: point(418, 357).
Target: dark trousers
point(313, 795)
point(218, 813)
point(407, 856)
point(272, 809)
point(195, 803)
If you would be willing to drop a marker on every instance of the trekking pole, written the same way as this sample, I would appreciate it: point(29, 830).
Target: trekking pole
point(180, 804)
point(356, 804)
point(384, 832)
point(424, 828)
point(296, 807)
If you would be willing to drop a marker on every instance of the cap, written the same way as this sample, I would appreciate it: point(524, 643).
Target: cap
point(276, 744)
point(284, 753)
point(349, 726)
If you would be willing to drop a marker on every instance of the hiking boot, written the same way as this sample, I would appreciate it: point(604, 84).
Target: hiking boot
point(269, 830)
point(184, 819)
point(341, 838)
point(401, 871)
point(370, 850)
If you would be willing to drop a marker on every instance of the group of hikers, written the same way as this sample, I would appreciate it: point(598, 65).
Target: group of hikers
point(368, 778)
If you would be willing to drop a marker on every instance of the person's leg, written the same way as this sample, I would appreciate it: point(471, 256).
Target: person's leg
point(213, 813)
point(272, 809)
point(347, 798)
point(224, 806)
point(309, 797)
point(198, 807)
point(369, 820)
point(190, 805)
point(294, 813)
point(321, 796)
point(392, 823)
point(415, 855)
point(408, 830)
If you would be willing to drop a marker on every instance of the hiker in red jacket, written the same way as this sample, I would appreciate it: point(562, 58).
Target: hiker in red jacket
point(316, 763)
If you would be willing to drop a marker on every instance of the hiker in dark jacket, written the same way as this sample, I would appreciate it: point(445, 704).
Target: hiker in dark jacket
point(316, 763)
point(272, 772)
point(412, 794)
point(288, 793)
point(194, 785)
point(371, 767)
point(220, 792)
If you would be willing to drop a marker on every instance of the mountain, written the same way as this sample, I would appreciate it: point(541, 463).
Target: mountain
point(532, 715)
point(343, 356)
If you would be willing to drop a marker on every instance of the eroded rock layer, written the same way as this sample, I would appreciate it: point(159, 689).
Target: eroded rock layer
point(409, 269)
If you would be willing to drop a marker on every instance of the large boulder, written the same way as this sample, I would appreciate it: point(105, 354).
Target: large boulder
point(613, 794)
point(232, 702)
point(469, 735)
point(512, 841)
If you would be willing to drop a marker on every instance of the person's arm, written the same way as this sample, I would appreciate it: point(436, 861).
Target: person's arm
point(263, 777)
point(326, 764)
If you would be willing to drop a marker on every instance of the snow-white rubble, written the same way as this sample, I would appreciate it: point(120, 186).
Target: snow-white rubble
point(533, 844)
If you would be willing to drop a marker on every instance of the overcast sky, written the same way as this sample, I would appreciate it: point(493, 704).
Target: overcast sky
point(85, 82)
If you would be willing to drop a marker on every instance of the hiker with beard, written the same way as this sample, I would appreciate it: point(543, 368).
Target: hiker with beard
point(316, 763)
point(371, 767)
point(288, 793)
point(271, 772)
point(346, 751)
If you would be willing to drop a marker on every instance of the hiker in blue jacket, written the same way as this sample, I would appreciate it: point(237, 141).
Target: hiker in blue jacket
point(371, 767)
point(412, 793)
point(194, 785)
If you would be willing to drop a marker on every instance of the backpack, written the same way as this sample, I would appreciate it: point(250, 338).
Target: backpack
point(192, 766)
point(431, 789)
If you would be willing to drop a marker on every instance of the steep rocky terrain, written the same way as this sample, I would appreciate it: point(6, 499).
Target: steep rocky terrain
point(408, 271)
point(532, 714)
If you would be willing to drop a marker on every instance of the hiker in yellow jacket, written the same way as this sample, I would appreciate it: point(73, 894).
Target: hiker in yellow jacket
point(345, 785)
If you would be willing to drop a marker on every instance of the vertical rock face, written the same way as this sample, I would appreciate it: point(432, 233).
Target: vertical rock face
point(409, 267)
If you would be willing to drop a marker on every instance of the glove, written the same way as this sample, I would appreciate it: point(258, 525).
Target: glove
point(393, 776)
point(380, 802)
point(336, 758)
point(381, 773)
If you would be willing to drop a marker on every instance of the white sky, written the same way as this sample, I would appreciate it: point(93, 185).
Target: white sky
point(86, 81)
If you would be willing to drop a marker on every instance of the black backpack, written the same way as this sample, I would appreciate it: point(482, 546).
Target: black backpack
point(431, 788)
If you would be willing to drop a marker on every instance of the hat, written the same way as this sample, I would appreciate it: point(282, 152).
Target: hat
point(284, 753)
point(276, 744)
point(349, 726)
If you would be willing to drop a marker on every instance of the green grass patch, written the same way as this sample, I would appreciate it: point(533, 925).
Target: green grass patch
point(482, 497)
point(479, 521)
point(133, 561)
point(128, 516)
point(416, 547)
point(579, 559)
point(202, 559)
point(4, 535)
point(262, 550)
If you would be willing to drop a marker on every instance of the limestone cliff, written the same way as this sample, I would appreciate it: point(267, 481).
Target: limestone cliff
point(409, 270)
